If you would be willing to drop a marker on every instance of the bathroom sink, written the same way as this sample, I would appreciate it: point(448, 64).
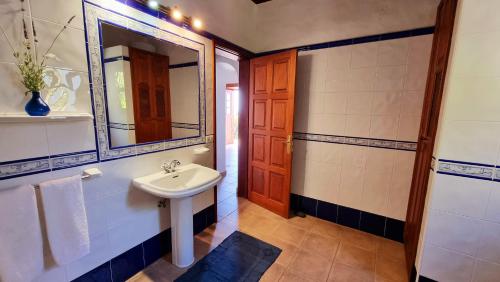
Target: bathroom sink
point(179, 186)
point(186, 181)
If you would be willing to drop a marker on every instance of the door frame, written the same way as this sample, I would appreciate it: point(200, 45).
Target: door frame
point(244, 57)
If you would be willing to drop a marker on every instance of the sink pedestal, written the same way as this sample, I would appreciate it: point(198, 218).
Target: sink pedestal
point(181, 218)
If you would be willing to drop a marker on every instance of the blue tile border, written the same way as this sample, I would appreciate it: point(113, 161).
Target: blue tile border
point(375, 224)
point(183, 65)
point(473, 170)
point(127, 264)
point(123, 126)
point(24, 167)
point(114, 59)
point(186, 125)
point(357, 141)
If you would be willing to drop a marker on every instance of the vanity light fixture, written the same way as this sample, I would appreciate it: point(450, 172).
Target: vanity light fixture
point(153, 4)
point(176, 14)
point(197, 23)
point(173, 13)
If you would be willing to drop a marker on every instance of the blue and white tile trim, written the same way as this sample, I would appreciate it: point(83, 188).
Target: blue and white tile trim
point(124, 126)
point(469, 169)
point(24, 167)
point(357, 141)
point(185, 125)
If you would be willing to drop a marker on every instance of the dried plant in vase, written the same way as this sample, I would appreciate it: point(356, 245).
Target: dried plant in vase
point(31, 66)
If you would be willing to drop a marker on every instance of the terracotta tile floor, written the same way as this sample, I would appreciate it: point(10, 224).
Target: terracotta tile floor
point(312, 249)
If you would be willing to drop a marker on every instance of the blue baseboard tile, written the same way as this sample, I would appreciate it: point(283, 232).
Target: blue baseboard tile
point(394, 229)
point(157, 246)
point(425, 279)
point(102, 273)
point(372, 223)
point(349, 217)
point(368, 222)
point(327, 211)
point(127, 264)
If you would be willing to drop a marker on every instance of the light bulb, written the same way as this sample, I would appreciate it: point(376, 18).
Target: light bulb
point(176, 14)
point(153, 4)
point(197, 23)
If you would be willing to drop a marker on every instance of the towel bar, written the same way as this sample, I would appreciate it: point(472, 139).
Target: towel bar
point(88, 173)
point(83, 177)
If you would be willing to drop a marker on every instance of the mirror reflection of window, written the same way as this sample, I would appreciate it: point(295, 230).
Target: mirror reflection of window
point(152, 88)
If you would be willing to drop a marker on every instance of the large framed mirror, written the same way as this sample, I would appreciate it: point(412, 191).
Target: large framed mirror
point(152, 88)
point(148, 81)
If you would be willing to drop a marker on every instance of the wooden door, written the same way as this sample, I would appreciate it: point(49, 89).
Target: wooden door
point(428, 127)
point(151, 96)
point(271, 107)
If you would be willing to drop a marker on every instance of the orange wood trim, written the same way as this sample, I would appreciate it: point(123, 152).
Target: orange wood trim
point(214, 103)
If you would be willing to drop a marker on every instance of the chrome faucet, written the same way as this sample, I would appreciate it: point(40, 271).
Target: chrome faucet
point(170, 167)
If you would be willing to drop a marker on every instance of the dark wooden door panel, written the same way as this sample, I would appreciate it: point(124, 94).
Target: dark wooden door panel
point(272, 95)
point(151, 96)
point(428, 127)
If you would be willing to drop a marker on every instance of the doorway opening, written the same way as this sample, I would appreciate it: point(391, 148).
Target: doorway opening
point(227, 103)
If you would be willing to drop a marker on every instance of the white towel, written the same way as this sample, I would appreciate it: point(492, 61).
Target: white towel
point(66, 219)
point(21, 243)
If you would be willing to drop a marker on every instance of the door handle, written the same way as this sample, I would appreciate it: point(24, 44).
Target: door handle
point(289, 144)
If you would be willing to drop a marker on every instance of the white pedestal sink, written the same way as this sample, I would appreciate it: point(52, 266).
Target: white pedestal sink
point(180, 187)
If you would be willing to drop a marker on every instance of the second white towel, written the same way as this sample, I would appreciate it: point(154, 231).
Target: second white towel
point(66, 218)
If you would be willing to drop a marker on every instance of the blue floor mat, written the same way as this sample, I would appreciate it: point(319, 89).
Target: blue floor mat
point(239, 257)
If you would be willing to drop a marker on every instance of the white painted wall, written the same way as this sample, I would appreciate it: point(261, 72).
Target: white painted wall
point(119, 216)
point(289, 23)
point(226, 71)
point(462, 235)
point(371, 90)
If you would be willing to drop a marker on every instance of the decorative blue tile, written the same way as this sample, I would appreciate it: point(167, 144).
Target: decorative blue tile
point(394, 229)
point(327, 211)
point(127, 264)
point(24, 167)
point(73, 159)
point(465, 169)
point(372, 223)
point(101, 273)
point(157, 246)
point(422, 31)
point(339, 43)
point(348, 217)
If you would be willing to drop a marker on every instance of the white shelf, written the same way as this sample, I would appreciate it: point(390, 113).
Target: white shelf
point(51, 117)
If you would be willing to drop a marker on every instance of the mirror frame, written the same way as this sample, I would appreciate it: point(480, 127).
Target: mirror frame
point(116, 13)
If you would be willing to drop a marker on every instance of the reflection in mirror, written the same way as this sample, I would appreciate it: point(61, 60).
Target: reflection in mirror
point(152, 88)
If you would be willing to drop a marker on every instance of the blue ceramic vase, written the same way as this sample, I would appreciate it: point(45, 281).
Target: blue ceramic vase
point(36, 106)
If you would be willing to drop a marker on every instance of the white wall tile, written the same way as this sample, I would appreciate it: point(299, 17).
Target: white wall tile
point(384, 127)
point(489, 242)
point(390, 78)
point(479, 141)
point(99, 254)
point(26, 140)
point(392, 52)
point(476, 55)
point(364, 55)
point(486, 271)
point(444, 265)
point(69, 48)
point(362, 79)
point(59, 11)
point(359, 102)
point(357, 125)
point(460, 195)
point(408, 128)
point(335, 103)
point(493, 209)
point(67, 137)
point(386, 103)
point(453, 232)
